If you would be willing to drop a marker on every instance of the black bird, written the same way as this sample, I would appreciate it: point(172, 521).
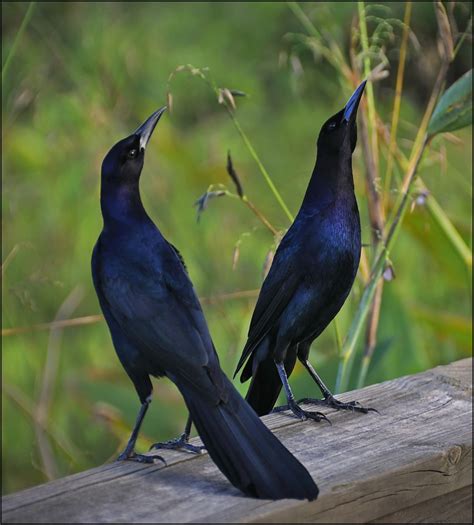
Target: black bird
point(158, 329)
point(311, 275)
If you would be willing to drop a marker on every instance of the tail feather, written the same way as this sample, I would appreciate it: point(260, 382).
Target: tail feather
point(245, 451)
point(265, 386)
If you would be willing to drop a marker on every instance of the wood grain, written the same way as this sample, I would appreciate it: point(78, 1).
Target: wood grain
point(453, 507)
point(410, 463)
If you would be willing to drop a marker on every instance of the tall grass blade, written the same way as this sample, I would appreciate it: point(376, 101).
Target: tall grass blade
point(21, 30)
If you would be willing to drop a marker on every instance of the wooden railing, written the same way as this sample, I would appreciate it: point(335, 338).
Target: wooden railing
point(412, 462)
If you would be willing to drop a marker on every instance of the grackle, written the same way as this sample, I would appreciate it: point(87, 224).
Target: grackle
point(311, 275)
point(158, 329)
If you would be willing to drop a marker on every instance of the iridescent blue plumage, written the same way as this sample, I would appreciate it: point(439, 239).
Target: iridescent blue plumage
point(311, 275)
point(158, 329)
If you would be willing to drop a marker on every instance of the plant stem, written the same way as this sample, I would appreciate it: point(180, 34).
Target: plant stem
point(305, 21)
point(397, 102)
point(377, 225)
point(463, 37)
point(364, 40)
point(261, 167)
point(259, 214)
point(21, 30)
point(376, 215)
point(376, 204)
point(26, 405)
point(371, 332)
point(93, 319)
point(210, 82)
point(337, 336)
point(331, 53)
point(45, 395)
point(348, 347)
point(439, 215)
point(419, 146)
point(348, 352)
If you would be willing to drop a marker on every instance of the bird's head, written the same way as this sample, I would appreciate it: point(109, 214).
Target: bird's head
point(339, 133)
point(124, 162)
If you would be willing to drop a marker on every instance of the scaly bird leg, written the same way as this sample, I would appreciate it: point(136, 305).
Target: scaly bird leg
point(292, 404)
point(329, 400)
point(180, 442)
point(129, 452)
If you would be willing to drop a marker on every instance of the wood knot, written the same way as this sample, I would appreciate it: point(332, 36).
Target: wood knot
point(454, 455)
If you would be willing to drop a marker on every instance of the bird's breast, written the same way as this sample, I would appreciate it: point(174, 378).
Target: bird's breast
point(334, 243)
point(131, 255)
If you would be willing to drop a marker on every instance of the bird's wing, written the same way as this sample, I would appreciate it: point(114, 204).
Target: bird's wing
point(277, 291)
point(157, 308)
point(180, 257)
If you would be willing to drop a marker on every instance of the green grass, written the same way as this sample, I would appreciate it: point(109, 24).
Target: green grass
point(80, 76)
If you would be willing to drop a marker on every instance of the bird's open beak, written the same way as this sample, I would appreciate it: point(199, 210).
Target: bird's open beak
point(146, 129)
point(350, 110)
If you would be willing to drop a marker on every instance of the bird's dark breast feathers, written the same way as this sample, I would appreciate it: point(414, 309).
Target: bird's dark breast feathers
point(331, 256)
point(333, 244)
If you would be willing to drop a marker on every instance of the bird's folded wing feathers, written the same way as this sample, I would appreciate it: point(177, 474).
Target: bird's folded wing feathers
point(277, 290)
point(160, 312)
point(281, 284)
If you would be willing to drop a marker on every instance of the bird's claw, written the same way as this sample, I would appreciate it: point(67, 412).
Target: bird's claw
point(300, 413)
point(319, 416)
point(140, 458)
point(332, 402)
point(179, 443)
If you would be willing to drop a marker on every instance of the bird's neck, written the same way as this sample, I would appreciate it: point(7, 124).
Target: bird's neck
point(121, 203)
point(331, 181)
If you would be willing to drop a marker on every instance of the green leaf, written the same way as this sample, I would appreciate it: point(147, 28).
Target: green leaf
point(454, 109)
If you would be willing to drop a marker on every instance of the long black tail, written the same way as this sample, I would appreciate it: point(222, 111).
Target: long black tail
point(245, 451)
point(266, 384)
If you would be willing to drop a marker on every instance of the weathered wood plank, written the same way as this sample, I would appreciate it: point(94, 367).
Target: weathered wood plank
point(417, 450)
point(454, 507)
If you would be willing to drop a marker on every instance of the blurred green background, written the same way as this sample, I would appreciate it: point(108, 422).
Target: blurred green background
point(82, 76)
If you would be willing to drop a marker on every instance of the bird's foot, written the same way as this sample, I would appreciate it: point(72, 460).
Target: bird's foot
point(139, 458)
point(179, 443)
point(331, 402)
point(300, 413)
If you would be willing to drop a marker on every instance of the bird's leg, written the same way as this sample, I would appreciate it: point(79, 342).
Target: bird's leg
point(129, 452)
point(180, 442)
point(329, 400)
point(292, 404)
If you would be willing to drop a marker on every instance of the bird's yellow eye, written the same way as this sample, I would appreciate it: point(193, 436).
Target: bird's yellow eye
point(132, 153)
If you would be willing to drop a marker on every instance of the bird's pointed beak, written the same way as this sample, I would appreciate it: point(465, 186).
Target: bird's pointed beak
point(350, 110)
point(146, 129)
